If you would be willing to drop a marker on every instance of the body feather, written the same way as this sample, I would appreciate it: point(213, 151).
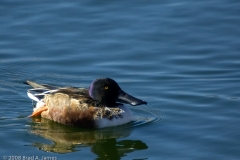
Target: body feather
point(74, 106)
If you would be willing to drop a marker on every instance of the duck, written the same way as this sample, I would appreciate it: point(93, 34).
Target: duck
point(102, 104)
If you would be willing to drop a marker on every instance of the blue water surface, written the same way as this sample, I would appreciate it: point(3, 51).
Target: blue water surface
point(182, 57)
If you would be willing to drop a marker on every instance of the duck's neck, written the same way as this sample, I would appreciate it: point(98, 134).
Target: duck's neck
point(112, 105)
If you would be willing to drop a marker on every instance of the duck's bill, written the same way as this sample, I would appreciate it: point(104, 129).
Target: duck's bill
point(123, 97)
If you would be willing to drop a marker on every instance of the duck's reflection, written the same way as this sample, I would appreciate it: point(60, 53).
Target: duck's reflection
point(65, 139)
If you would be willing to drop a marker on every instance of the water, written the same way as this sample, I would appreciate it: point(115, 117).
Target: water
point(182, 57)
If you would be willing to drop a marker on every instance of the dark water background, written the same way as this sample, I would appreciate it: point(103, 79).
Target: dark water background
point(182, 57)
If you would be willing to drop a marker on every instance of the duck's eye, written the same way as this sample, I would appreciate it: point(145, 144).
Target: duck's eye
point(106, 87)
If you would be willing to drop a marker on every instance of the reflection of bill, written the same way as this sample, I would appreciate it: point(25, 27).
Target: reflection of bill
point(66, 139)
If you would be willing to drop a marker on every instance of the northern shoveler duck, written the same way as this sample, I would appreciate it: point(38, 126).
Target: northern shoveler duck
point(98, 106)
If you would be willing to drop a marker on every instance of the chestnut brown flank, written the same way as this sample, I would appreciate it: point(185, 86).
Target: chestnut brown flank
point(68, 111)
point(79, 118)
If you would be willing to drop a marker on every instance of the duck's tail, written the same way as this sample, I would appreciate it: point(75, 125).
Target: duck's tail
point(42, 86)
point(39, 90)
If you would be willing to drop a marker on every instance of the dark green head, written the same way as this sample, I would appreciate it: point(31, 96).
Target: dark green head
point(108, 92)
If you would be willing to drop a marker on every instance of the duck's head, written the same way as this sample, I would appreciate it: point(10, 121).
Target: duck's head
point(108, 92)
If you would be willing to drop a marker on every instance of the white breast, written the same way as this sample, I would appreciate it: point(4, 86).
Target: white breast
point(115, 121)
